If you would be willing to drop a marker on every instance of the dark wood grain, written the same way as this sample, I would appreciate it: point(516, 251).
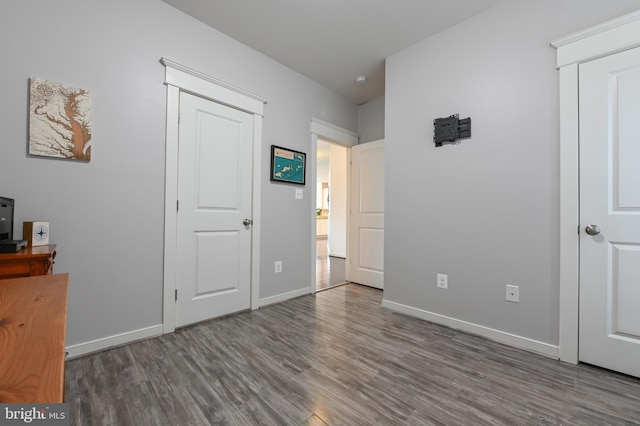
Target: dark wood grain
point(28, 262)
point(338, 358)
point(33, 314)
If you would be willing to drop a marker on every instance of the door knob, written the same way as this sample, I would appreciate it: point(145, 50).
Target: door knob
point(592, 230)
point(246, 222)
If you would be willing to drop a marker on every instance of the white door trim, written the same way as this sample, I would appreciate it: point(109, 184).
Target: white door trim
point(613, 36)
point(181, 78)
point(323, 130)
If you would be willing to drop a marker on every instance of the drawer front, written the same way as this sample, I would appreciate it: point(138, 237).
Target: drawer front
point(14, 270)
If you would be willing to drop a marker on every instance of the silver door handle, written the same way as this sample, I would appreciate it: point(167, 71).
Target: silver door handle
point(247, 222)
point(592, 230)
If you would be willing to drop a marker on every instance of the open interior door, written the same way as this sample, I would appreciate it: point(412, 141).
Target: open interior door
point(365, 262)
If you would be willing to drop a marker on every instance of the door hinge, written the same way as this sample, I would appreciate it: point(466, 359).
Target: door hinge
point(176, 295)
point(177, 205)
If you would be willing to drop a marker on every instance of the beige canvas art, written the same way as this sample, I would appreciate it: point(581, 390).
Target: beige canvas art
point(59, 121)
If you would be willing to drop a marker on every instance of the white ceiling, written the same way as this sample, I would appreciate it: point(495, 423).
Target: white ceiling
point(333, 41)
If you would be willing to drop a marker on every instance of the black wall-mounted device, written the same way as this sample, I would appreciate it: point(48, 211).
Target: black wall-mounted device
point(450, 129)
point(6, 218)
point(7, 243)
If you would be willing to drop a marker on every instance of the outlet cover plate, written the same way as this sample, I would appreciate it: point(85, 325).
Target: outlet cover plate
point(442, 281)
point(513, 293)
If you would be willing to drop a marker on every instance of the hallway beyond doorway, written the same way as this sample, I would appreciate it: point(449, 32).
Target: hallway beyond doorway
point(330, 270)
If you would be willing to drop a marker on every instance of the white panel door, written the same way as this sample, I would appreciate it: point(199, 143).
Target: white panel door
point(610, 199)
point(214, 192)
point(366, 254)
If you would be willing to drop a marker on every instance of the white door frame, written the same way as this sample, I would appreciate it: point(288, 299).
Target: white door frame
point(181, 78)
point(611, 37)
point(340, 136)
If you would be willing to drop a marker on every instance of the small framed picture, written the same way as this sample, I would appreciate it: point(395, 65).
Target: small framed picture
point(288, 165)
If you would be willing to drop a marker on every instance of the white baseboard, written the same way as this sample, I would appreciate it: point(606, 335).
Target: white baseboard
point(86, 348)
point(81, 349)
point(489, 333)
point(283, 297)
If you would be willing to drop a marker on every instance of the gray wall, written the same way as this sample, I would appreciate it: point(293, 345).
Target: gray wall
point(484, 211)
point(371, 120)
point(107, 216)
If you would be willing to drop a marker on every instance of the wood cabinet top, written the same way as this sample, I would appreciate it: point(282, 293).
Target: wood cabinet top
point(33, 313)
point(38, 251)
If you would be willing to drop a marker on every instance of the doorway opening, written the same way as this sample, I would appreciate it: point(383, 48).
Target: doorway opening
point(331, 214)
point(327, 132)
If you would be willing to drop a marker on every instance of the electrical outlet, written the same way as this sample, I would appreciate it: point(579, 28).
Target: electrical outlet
point(299, 194)
point(278, 266)
point(513, 293)
point(442, 280)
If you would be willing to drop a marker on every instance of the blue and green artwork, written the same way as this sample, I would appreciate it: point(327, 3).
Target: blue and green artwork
point(287, 165)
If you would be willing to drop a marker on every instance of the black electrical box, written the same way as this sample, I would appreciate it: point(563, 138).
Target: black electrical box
point(450, 129)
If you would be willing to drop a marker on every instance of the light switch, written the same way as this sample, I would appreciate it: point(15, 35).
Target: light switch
point(299, 193)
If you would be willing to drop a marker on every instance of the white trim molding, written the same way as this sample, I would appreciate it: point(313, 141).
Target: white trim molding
point(180, 78)
point(278, 298)
point(194, 81)
point(333, 133)
point(86, 348)
point(611, 37)
point(600, 40)
point(479, 330)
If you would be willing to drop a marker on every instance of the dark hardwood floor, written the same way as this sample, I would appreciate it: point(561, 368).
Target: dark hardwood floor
point(338, 358)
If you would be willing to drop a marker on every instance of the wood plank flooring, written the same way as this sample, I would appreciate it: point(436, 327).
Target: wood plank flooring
point(330, 270)
point(338, 358)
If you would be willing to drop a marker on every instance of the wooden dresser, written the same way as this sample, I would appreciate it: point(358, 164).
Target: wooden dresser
point(33, 315)
point(28, 262)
